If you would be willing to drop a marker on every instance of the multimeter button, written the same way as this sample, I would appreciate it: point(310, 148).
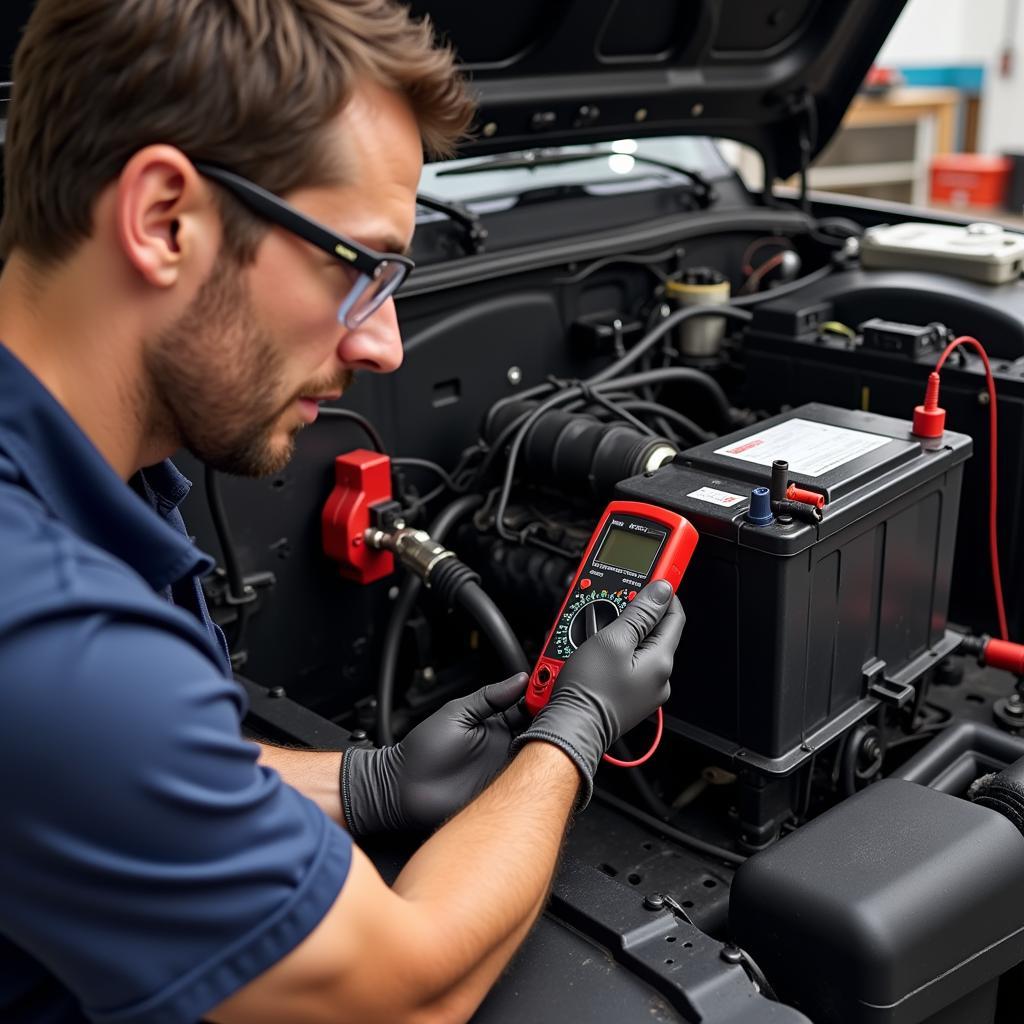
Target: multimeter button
point(543, 675)
point(632, 594)
point(584, 584)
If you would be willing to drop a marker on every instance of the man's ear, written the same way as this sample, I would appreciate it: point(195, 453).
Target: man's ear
point(164, 214)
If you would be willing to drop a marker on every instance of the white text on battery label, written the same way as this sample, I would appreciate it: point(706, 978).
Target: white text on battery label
point(723, 498)
point(810, 448)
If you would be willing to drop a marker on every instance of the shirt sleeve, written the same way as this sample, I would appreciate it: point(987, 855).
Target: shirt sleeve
point(149, 862)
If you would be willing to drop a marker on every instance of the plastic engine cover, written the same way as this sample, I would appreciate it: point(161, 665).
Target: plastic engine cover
point(898, 904)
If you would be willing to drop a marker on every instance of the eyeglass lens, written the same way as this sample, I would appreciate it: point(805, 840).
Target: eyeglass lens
point(375, 293)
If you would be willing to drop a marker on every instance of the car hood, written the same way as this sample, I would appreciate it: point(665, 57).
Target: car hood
point(777, 75)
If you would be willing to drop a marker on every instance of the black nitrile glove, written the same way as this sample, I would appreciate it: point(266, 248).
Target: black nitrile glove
point(438, 768)
point(612, 682)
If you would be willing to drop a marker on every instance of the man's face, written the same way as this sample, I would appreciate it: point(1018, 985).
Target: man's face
point(241, 371)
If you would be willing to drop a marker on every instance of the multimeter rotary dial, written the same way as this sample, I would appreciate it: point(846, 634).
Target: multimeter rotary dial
point(584, 615)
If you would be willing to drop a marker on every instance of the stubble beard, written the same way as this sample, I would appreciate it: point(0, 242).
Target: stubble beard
point(216, 376)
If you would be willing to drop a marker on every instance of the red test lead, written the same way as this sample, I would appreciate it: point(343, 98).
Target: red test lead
point(930, 422)
point(801, 494)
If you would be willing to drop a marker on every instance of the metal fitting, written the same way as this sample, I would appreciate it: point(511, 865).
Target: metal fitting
point(416, 550)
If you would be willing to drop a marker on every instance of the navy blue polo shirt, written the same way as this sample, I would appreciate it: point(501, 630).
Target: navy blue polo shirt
point(149, 867)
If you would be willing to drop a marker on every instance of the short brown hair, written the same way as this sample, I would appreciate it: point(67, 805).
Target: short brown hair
point(248, 84)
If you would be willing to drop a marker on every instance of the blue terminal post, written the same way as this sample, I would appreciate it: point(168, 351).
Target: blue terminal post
point(760, 511)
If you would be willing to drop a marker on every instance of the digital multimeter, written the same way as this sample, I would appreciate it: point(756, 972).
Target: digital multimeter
point(633, 545)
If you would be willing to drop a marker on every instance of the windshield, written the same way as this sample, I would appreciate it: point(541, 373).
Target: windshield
point(495, 184)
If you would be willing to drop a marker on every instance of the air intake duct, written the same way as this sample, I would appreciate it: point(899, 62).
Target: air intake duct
point(580, 454)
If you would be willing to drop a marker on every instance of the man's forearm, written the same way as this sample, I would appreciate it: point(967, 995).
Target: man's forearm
point(483, 878)
point(314, 773)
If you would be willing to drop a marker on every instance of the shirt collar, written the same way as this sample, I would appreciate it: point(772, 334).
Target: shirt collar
point(63, 468)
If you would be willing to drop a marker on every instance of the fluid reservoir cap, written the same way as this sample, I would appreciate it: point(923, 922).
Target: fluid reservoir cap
point(760, 511)
point(697, 279)
point(702, 275)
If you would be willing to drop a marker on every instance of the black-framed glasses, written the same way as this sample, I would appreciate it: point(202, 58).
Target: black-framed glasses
point(380, 273)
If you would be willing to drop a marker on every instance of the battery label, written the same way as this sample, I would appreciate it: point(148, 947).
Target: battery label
point(812, 449)
point(723, 498)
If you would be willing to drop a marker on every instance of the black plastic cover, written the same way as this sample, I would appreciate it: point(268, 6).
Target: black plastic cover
point(888, 908)
point(551, 72)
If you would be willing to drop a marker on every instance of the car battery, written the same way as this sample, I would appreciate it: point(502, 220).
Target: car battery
point(797, 630)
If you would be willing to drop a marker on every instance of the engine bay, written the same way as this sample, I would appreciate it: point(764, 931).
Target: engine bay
point(831, 688)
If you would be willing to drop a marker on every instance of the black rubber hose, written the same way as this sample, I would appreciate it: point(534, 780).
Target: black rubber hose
point(653, 336)
point(680, 374)
point(522, 426)
point(328, 412)
point(644, 345)
point(693, 433)
point(475, 602)
point(408, 594)
point(783, 289)
point(578, 453)
point(682, 838)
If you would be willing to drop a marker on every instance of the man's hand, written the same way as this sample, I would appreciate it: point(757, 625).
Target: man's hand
point(614, 681)
point(438, 768)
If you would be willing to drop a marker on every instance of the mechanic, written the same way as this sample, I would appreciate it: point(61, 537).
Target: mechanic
point(155, 865)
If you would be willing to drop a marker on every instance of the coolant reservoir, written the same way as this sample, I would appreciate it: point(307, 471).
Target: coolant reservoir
point(700, 337)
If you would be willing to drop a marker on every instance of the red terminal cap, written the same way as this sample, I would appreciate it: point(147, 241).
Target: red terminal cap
point(929, 419)
point(1006, 655)
point(795, 493)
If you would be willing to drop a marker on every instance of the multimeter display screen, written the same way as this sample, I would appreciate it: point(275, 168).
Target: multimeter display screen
point(634, 552)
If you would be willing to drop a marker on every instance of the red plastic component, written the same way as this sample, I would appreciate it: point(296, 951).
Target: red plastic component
point(361, 479)
point(929, 419)
point(672, 562)
point(970, 179)
point(1006, 655)
point(795, 493)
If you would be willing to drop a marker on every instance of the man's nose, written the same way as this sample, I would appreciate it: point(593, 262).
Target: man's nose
point(375, 345)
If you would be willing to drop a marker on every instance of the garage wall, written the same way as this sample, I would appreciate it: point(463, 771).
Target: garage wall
point(933, 33)
point(951, 33)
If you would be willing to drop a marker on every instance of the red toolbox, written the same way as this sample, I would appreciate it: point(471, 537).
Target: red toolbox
point(970, 179)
